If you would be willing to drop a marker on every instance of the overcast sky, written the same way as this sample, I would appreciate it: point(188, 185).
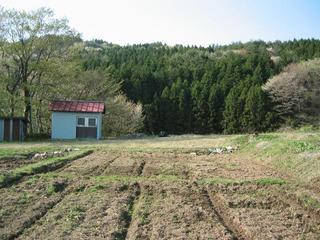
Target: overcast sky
point(188, 22)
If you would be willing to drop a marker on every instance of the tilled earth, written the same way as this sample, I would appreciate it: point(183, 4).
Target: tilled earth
point(111, 195)
point(7, 164)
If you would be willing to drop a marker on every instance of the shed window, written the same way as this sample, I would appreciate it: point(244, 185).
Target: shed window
point(92, 122)
point(81, 121)
point(86, 122)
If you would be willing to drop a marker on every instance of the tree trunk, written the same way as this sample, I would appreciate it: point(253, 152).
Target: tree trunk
point(12, 106)
point(27, 109)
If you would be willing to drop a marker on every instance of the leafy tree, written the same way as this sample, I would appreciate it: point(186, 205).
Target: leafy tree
point(29, 41)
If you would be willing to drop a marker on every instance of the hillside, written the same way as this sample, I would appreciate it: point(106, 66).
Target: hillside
point(188, 89)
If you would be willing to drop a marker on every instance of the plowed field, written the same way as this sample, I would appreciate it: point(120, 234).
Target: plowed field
point(158, 195)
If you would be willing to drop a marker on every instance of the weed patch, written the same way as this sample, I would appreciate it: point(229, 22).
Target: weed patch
point(76, 214)
point(56, 187)
point(142, 211)
point(309, 202)
point(302, 146)
point(269, 181)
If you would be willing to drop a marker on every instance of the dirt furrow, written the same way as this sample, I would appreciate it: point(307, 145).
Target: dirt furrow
point(257, 212)
point(93, 164)
point(33, 214)
point(26, 220)
point(124, 166)
point(131, 209)
point(171, 211)
point(220, 211)
point(103, 213)
point(98, 170)
point(141, 168)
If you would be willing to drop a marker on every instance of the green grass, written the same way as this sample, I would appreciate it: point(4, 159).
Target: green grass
point(142, 210)
point(100, 180)
point(302, 146)
point(227, 181)
point(11, 149)
point(76, 213)
point(97, 187)
point(269, 181)
point(294, 152)
point(25, 198)
point(22, 151)
point(309, 202)
point(55, 188)
point(40, 167)
point(48, 176)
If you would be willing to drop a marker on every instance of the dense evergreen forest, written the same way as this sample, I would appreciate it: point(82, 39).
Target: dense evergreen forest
point(190, 89)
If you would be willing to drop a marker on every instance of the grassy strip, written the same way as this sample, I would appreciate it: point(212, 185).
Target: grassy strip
point(173, 178)
point(227, 181)
point(132, 178)
point(40, 167)
point(293, 152)
point(6, 151)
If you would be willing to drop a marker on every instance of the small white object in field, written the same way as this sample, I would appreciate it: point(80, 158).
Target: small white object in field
point(193, 154)
point(215, 150)
point(76, 149)
point(229, 149)
point(37, 156)
point(40, 156)
point(68, 150)
point(58, 153)
point(220, 150)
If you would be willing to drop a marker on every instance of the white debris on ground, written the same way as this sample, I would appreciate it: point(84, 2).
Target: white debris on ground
point(220, 150)
point(215, 150)
point(45, 155)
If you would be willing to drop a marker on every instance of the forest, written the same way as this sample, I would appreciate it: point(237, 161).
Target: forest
point(154, 87)
point(190, 89)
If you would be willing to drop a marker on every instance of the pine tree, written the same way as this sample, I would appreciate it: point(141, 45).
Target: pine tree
point(231, 112)
point(216, 106)
point(255, 112)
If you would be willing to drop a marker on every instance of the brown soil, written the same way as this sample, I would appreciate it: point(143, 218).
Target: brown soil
point(260, 213)
point(166, 211)
point(111, 195)
point(7, 164)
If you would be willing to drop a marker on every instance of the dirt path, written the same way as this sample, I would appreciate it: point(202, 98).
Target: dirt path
point(156, 196)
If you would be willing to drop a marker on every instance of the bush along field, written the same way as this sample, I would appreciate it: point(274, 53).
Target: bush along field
point(264, 186)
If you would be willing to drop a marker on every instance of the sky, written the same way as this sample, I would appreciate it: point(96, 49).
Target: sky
point(187, 22)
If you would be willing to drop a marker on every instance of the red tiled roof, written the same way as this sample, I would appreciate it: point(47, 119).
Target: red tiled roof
point(77, 106)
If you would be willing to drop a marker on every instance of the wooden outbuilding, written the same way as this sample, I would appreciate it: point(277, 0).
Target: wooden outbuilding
point(75, 119)
point(12, 129)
